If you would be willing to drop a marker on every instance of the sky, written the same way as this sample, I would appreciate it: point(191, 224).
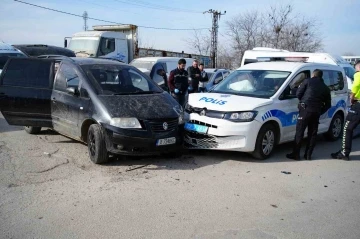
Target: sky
point(24, 24)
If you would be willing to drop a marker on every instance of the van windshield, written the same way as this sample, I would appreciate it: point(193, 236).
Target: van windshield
point(87, 46)
point(120, 80)
point(252, 83)
point(148, 65)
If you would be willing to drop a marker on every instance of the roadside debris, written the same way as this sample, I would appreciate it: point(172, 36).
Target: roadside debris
point(273, 205)
point(131, 169)
point(285, 172)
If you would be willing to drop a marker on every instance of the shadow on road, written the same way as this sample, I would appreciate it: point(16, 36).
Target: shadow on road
point(5, 127)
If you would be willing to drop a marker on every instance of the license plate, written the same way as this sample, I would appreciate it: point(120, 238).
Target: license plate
point(166, 141)
point(196, 128)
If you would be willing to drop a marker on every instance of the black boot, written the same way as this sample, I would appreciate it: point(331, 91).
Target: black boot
point(340, 155)
point(307, 155)
point(295, 156)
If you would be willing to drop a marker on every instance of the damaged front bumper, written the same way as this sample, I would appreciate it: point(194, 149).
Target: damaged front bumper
point(143, 142)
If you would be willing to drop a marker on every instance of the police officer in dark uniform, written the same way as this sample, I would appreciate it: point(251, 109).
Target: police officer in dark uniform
point(315, 99)
point(352, 118)
point(195, 75)
point(179, 82)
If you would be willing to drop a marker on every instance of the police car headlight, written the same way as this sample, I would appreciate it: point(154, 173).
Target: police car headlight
point(241, 116)
point(126, 123)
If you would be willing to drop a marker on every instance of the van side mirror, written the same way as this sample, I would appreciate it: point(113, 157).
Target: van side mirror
point(72, 91)
point(65, 43)
point(107, 44)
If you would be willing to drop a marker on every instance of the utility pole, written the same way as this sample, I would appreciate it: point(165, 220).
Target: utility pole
point(214, 34)
point(85, 17)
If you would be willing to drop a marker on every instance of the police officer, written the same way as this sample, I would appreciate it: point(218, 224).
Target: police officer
point(203, 78)
point(352, 118)
point(178, 82)
point(314, 100)
point(195, 76)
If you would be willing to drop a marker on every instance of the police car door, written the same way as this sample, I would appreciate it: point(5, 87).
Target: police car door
point(288, 106)
point(336, 82)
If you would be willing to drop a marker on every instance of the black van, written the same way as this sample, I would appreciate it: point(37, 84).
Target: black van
point(36, 50)
point(111, 106)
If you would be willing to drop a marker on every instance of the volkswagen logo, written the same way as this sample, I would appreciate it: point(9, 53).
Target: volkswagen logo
point(202, 113)
point(165, 126)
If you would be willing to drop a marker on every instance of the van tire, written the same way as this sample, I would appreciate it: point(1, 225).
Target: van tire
point(267, 132)
point(335, 128)
point(96, 145)
point(32, 129)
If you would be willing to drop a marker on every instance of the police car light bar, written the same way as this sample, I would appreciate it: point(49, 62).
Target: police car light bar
point(288, 59)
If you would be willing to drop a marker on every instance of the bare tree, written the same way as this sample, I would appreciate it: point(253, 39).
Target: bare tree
point(200, 42)
point(225, 59)
point(279, 27)
point(246, 31)
point(348, 54)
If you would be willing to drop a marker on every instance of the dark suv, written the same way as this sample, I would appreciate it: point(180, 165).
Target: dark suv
point(111, 106)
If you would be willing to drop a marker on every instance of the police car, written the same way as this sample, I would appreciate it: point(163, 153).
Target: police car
point(255, 108)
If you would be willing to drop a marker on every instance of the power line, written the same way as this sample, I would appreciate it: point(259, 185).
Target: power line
point(100, 20)
point(156, 6)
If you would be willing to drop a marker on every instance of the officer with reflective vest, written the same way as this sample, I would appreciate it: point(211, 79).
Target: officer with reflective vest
point(315, 99)
point(352, 118)
point(178, 82)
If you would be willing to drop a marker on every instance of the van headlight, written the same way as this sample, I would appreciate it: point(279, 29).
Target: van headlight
point(246, 116)
point(126, 123)
point(179, 110)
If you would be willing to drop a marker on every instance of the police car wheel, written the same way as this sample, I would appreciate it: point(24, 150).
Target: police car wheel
point(335, 128)
point(265, 142)
point(32, 129)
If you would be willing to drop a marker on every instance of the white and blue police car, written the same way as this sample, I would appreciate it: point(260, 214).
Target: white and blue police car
point(255, 108)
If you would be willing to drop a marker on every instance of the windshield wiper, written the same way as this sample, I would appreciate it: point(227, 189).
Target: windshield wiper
point(84, 53)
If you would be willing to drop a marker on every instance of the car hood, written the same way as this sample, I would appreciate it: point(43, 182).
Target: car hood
point(144, 70)
point(226, 102)
point(154, 106)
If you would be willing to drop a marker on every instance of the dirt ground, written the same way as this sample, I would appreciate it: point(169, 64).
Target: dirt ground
point(50, 189)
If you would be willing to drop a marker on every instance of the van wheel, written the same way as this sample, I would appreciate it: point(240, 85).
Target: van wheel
point(96, 145)
point(265, 142)
point(335, 128)
point(32, 129)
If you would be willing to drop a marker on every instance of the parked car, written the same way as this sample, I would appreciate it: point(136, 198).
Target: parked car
point(151, 65)
point(111, 106)
point(255, 108)
point(7, 51)
point(215, 77)
point(39, 49)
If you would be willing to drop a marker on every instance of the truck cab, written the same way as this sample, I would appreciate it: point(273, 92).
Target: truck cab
point(100, 44)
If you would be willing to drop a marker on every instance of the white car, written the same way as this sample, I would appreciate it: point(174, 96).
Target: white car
point(255, 108)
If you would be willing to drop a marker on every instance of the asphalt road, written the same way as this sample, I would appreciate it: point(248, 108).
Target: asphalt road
point(50, 189)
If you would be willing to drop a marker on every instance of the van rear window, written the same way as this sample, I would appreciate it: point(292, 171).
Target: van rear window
point(27, 73)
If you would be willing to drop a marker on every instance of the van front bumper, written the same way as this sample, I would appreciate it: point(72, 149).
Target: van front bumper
point(141, 142)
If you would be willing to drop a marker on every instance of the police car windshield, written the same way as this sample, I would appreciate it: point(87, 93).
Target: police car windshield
point(253, 83)
point(120, 80)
